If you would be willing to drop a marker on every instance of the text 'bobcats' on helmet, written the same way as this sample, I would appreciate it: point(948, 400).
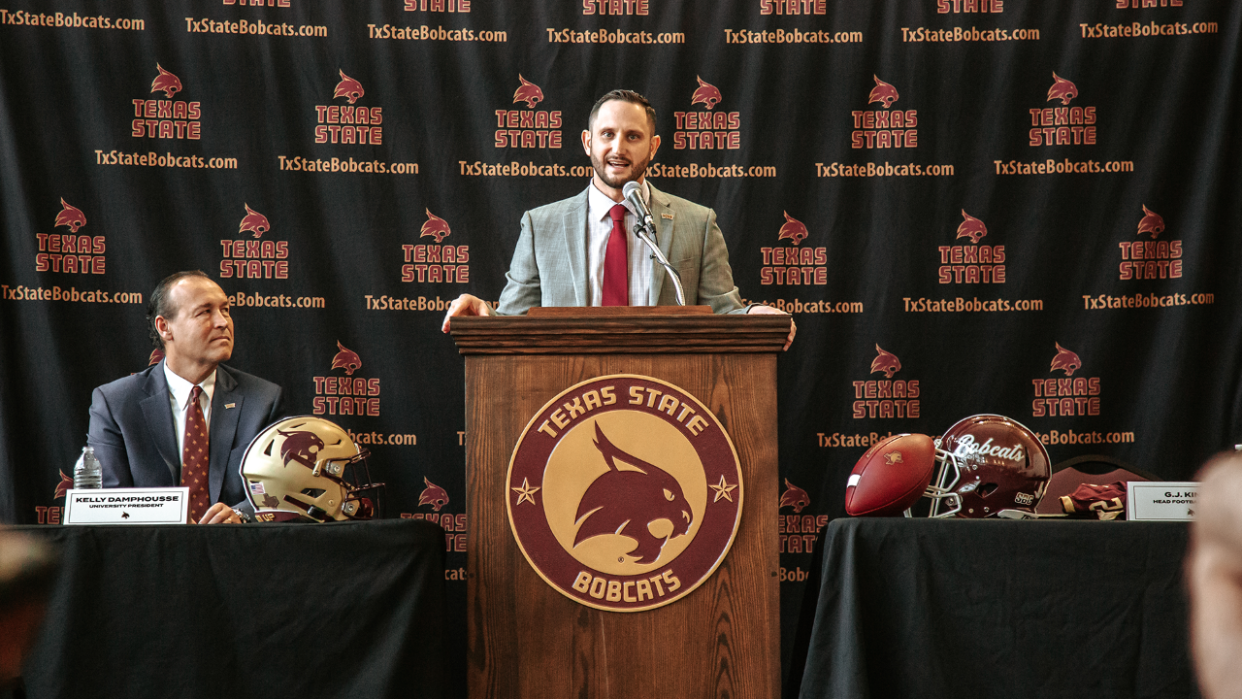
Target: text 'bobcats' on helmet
point(307, 469)
point(891, 476)
point(988, 464)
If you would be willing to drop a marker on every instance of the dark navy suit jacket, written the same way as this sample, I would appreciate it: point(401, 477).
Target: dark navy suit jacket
point(131, 429)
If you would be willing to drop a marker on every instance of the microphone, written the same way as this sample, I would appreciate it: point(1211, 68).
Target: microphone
point(633, 192)
point(645, 230)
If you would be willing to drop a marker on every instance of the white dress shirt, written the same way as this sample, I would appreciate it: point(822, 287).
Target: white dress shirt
point(179, 396)
point(599, 229)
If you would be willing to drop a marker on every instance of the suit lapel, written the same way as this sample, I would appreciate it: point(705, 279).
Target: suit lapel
point(659, 207)
point(575, 226)
point(226, 407)
point(157, 410)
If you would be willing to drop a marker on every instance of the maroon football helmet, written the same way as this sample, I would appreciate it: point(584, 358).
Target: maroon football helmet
point(988, 464)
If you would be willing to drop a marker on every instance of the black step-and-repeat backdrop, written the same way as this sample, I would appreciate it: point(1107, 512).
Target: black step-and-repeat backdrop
point(1027, 207)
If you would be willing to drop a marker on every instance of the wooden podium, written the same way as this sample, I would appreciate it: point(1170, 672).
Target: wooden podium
point(526, 638)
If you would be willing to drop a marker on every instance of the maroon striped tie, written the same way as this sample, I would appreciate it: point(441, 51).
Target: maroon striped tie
point(616, 262)
point(195, 457)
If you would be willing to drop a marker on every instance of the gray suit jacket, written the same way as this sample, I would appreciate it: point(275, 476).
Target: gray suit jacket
point(549, 265)
point(131, 429)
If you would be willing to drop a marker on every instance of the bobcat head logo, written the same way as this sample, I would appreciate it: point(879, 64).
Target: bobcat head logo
point(1151, 222)
point(254, 222)
point(893, 457)
point(62, 488)
point(707, 94)
point(626, 501)
point(166, 81)
point(433, 495)
point(794, 497)
point(348, 88)
point(70, 216)
point(792, 230)
point(1061, 89)
point(886, 362)
point(346, 359)
point(971, 227)
point(1065, 361)
point(302, 447)
point(883, 93)
point(435, 227)
point(528, 92)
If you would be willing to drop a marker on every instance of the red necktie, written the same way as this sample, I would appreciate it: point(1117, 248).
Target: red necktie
point(616, 262)
point(194, 457)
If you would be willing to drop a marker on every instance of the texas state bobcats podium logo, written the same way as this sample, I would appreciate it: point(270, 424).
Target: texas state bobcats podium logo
point(624, 493)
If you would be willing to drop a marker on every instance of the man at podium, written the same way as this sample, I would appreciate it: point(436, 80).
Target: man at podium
point(578, 252)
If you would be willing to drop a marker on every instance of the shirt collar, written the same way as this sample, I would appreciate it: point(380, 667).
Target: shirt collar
point(181, 388)
point(600, 204)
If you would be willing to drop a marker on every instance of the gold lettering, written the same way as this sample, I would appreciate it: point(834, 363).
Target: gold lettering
point(685, 408)
point(696, 425)
point(636, 395)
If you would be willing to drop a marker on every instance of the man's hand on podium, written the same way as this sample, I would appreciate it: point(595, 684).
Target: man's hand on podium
point(768, 310)
point(465, 305)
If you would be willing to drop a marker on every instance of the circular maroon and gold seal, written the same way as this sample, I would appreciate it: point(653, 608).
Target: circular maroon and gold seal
point(624, 493)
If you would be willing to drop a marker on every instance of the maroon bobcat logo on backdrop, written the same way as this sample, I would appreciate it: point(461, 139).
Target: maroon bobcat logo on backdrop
point(433, 495)
point(971, 227)
point(435, 227)
point(707, 94)
point(794, 497)
point(886, 362)
point(157, 356)
point(793, 229)
point(348, 88)
point(166, 81)
point(301, 447)
point(1152, 222)
point(254, 222)
point(1065, 361)
point(882, 92)
point(62, 488)
point(346, 359)
point(626, 502)
point(1061, 89)
point(70, 216)
point(528, 92)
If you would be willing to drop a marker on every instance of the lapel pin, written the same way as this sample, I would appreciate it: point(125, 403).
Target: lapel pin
point(667, 216)
point(228, 406)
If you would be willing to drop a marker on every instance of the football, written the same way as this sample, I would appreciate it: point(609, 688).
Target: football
point(891, 476)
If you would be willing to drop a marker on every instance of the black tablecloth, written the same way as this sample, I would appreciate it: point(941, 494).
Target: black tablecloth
point(265, 610)
point(955, 608)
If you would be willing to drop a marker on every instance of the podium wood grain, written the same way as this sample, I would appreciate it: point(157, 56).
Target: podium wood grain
point(526, 639)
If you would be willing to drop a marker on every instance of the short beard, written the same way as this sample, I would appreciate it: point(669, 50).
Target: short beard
point(639, 169)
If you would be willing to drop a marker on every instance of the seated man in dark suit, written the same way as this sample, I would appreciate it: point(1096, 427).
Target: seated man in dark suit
point(187, 420)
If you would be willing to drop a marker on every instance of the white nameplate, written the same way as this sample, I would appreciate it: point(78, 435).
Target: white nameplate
point(1161, 501)
point(127, 506)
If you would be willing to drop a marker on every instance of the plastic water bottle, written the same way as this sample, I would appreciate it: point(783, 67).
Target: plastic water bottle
point(87, 473)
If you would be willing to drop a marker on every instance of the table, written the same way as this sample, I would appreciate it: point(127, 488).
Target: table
point(286, 610)
point(984, 608)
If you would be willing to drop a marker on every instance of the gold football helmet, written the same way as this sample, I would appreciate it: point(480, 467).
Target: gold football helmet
point(307, 468)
